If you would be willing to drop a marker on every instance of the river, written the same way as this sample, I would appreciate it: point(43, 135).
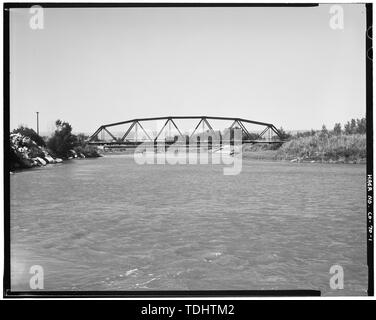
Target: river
point(111, 224)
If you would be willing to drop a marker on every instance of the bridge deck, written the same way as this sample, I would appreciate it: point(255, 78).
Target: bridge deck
point(160, 143)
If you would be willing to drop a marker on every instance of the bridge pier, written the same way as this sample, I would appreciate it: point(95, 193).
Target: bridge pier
point(187, 148)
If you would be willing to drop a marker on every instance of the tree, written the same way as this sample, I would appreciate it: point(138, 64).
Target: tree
point(283, 134)
point(337, 129)
point(62, 140)
point(353, 126)
point(356, 126)
point(348, 128)
point(324, 131)
point(361, 126)
point(30, 133)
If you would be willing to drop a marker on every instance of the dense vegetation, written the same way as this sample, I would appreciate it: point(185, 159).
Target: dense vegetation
point(82, 147)
point(30, 133)
point(344, 148)
point(63, 143)
point(347, 144)
point(24, 152)
point(28, 149)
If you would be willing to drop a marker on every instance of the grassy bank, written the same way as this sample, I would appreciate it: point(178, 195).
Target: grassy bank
point(260, 152)
point(317, 148)
point(341, 148)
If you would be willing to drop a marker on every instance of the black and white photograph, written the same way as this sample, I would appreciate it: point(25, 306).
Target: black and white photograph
point(188, 149)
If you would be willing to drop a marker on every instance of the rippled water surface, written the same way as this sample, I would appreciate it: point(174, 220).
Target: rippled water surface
point(110, 224)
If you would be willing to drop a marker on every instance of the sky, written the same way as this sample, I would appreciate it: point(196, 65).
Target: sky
point(92, 66)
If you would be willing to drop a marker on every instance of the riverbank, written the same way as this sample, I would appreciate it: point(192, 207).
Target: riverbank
point(26, 153)
point(272, 155)
point(317, 148)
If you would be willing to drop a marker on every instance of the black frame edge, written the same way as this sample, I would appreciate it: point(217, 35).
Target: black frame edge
point(369, 119)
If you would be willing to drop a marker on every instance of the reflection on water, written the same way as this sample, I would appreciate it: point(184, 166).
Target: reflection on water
point(109, 224)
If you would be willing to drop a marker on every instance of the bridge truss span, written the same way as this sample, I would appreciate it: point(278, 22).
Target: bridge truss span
point(163, 129)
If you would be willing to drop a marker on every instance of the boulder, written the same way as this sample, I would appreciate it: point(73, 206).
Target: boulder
point(41, 161)
point(49, 158)
point(73, 153)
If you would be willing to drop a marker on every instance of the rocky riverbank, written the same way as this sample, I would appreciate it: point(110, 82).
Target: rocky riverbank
point(25, 153)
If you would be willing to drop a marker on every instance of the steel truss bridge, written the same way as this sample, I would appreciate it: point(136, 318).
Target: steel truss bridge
point(267, 132)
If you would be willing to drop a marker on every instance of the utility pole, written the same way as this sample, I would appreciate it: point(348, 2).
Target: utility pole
point(37, 122)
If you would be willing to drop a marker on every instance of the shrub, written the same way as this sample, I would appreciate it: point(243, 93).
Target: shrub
point(351, 147)
point(62, 140)
point(30, 133)
point(87, 150)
